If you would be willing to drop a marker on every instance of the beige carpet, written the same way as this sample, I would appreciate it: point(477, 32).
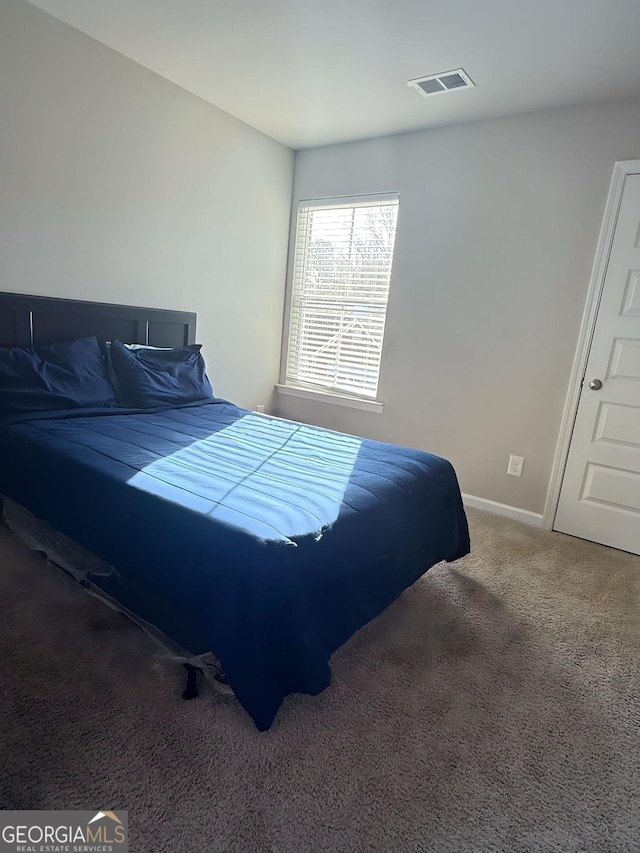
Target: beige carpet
point(494, 707)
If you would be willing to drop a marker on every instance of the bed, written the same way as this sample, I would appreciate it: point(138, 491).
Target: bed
point(264, 541)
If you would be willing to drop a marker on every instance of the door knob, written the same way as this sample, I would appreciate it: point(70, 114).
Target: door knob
point(595, 384)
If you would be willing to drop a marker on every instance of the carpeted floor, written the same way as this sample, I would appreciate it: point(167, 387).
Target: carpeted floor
point(494, 707)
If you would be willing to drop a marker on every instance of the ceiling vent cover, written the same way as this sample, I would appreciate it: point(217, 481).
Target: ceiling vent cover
point(438, 84)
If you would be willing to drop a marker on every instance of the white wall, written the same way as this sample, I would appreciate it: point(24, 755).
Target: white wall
point(118, 186)
point(497, 230)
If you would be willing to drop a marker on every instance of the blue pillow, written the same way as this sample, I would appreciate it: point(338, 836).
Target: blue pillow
point(70, 375)
point(159, 377)
point(113, 378)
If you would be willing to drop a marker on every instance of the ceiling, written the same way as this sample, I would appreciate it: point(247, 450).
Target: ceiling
point(317, 72)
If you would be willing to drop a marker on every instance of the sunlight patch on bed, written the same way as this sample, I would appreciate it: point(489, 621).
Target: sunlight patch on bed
point(275, 479)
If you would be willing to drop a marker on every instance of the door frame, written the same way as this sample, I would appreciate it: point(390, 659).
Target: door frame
point(621, 170)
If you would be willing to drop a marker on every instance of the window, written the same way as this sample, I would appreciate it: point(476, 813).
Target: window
point(341, 276)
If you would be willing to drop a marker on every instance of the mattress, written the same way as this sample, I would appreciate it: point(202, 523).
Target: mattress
point(264, 541)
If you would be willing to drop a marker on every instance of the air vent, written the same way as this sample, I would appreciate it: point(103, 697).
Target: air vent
point(438, 84)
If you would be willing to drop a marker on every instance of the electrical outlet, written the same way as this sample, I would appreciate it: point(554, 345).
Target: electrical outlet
point(260, 408)
point(516, 464)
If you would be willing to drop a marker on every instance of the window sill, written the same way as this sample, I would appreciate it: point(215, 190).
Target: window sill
point(330, 397)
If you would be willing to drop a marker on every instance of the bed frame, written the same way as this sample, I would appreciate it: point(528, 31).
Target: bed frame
point(36, 320)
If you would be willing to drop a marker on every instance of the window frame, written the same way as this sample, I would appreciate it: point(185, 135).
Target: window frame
point(308, 390)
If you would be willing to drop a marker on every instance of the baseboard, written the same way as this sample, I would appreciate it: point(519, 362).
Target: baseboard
point(514, 512)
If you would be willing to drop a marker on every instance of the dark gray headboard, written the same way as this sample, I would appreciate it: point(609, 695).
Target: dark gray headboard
point(34, 320)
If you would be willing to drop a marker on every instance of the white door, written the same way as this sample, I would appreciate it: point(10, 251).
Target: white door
point(600, 496)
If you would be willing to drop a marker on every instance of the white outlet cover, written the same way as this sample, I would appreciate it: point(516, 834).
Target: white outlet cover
point(516, 464)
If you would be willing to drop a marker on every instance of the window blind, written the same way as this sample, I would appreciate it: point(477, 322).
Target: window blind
point(341, 277)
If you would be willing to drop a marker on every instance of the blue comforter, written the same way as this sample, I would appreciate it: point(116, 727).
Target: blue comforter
point(265, 541)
